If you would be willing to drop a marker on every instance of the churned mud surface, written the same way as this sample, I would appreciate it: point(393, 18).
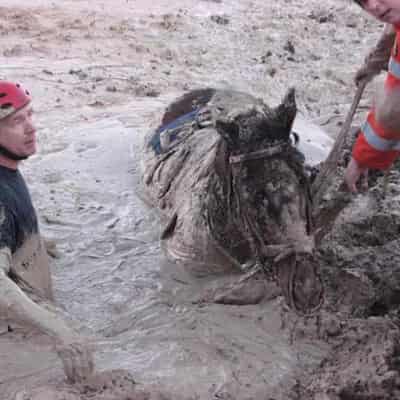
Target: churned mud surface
point(98, 71)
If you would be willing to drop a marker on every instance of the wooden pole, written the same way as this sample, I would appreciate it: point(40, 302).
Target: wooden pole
point(333, 158)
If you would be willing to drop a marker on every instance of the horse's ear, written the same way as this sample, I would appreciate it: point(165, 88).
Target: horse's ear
point(221, 162)
point(229, 131)
point(286, 112)
point(251, 125)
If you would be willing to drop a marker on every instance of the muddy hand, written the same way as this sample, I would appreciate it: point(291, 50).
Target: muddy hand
point(365, 74)
point(77, 359)
point(355, 173)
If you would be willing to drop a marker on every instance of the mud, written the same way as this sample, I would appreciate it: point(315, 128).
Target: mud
point(110, 385)
point(98, 72)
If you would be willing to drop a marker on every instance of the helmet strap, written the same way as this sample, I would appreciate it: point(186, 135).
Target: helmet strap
point(12, 156)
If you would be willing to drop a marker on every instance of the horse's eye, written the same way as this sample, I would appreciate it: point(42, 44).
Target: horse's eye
point(261, 195)
point(274, 206)
point(286, 197)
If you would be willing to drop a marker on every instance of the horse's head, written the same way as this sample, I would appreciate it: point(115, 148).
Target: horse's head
point(266, 196)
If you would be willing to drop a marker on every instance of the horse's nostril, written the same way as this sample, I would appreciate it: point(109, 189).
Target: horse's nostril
point(307, 285)
point(300, 282)
point(307, 296)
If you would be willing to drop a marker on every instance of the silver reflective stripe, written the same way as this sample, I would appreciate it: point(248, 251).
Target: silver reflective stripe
point(394, 68)
point(377, 142)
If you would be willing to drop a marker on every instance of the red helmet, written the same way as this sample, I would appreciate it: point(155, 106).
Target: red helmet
point(12, 97)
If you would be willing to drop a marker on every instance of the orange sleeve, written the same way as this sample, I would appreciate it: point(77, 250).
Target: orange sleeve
point(369, 157)
point(363, 152)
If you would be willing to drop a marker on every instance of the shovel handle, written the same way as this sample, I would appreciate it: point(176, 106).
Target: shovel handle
point(334, 155)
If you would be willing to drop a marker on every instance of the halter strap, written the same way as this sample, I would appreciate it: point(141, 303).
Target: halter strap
point(269, 152)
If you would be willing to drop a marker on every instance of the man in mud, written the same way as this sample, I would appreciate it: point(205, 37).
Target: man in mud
point(25, 282)
point(378, 144)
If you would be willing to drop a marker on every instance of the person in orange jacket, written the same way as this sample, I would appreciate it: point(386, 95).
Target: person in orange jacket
point(378, 143)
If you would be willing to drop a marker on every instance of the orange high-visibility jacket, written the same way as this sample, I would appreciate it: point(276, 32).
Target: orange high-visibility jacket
point(376, 147)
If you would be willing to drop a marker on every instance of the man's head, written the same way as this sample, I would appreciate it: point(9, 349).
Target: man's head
point(17, 132)
point(384, 10)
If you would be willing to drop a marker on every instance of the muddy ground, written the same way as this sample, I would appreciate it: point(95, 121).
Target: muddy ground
point(98, 71)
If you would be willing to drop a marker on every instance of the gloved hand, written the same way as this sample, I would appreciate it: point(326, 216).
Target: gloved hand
point(378, 59)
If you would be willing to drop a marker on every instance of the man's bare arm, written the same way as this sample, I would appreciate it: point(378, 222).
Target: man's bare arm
point(378, 58)
point(16, 305)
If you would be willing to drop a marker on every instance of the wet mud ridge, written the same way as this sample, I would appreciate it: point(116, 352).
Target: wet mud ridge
point(360, 320)
point(111, 385)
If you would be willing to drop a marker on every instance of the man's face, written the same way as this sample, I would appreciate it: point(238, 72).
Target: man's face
point(18, 133)
point(385, 10)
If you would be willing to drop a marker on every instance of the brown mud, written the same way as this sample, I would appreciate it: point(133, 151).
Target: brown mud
point(98, 71)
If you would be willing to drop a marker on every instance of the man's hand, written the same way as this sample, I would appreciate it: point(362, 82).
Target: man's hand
point(353, 174)
point(77, 359)
point(378, 58)
point(366, 73)
point(376, 61)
